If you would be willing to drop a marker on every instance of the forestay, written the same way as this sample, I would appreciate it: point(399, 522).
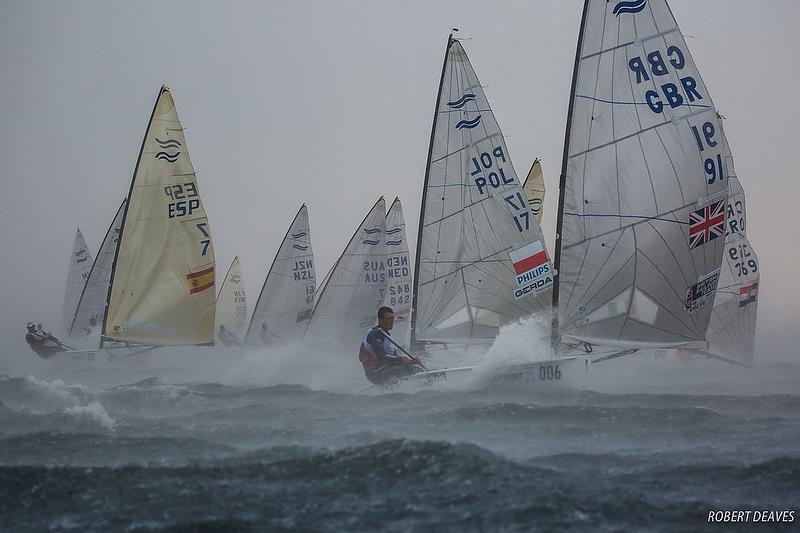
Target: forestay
point(232, 302)
point(348, 301)
point(534, 190)
point(398, 273)
point(474, 218)
point(162, 284)
point(92, 303)
point(284, 306)
point(80, 263)
point(643, 190)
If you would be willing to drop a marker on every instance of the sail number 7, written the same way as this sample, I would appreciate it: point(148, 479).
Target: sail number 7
point(205, 242)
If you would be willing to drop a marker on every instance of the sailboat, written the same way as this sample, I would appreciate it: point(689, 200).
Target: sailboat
point(398, 274)
point(80, 263)
point(284, 306)
point(231, 312)
point(162, 280)
point(534, 189)
point(91, 308)
point(349, 297)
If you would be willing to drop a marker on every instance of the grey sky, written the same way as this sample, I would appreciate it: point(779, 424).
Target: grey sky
point(330, 103)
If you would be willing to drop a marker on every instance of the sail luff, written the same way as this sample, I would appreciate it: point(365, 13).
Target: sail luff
point(398, 273)
point(227, 304)
point(77, 274)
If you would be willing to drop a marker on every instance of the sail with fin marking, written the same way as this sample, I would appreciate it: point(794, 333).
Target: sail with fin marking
point(284, 306)
point(91, 308)
point(481, 260)
point(80, 263)
point(162, 283)
point(534, 190)
point(641, 219)
point(398, 273)
point(231, 309)
point(348, 301)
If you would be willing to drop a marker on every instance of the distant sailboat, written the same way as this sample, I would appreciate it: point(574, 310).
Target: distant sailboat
point(284, 306)
point(162, 280)
point(348, 300)
point(535, 190)
point(232, 303)
point(80, 263)
point(398, 274)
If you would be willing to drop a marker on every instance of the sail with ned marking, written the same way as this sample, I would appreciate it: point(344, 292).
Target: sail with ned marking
point(398, 273)
point(534, 190)
point(641, 220)
point(232, 302)
point(162, 284)
point(80, 263)
point(284, 306)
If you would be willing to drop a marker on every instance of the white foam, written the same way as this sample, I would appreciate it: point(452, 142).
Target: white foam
point(94, 412)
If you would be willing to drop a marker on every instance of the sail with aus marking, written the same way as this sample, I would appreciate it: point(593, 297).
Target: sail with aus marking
point(481, 260)
point(232, 302)
point(284, 306)
point(641, 219)
point(398, 273)
point(92, 303)
point(80, 263)
point(348, 301)
point(162, 283)
point(534, 190)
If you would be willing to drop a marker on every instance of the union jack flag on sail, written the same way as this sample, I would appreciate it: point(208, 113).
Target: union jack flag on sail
point(707, 224)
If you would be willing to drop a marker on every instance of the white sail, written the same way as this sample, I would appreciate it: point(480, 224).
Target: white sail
point(643, 191)
point(162, 284)
point(534, 190)
point(347, 304)
point(80, 263)
point(474, 217)
point(232, 302)
point(287, 297)
point(92, 303)
point(398, 273)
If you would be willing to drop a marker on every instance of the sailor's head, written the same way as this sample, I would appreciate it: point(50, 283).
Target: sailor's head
point(31, 327)
point(221, 328)
point(263, 325)
point(386, 318)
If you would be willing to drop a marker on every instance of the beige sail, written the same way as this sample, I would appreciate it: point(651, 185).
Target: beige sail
point(232, 302)
point(162, 284)
point(534, 190)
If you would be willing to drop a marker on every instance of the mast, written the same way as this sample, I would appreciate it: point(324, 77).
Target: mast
point(414, 347)
point(125, 216)
point(554, 336)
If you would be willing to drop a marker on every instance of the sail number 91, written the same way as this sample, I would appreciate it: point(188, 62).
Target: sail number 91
point(713, 165)
point(185, 199)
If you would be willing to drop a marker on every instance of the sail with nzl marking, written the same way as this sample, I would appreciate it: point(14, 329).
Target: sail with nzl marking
point(732, 329)
point(92, 303)
point(162, 281)
point(641, 221)
point(80, 263)
point(284, 306)
point(398, 273)
point(232, 302)
point(534, 190)
point(348, 301)
point(480, 260)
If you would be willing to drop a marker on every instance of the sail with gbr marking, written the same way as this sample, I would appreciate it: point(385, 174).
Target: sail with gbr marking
point(534, 190)
point(398, 273)
point(232, 302)
point(641, 220)
point(348, 301)
point(474, 218)
point(162, 284)
point(284, 306)
point(80, 263)
point(91, 309)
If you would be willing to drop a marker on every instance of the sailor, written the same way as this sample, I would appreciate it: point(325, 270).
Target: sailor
point(227, 338)
point(378, 354)
point(264, 334)
point(41, 342)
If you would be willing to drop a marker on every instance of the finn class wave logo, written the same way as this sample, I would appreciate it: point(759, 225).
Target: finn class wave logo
point(393, 243)
point(469, 124)
point(629, 6)
point(370, 231)
point(393, 231)
point(461, 102)
point(299, 247)
point(170, 150)
point(371, 242)
point(298, 235)
point(235, 278)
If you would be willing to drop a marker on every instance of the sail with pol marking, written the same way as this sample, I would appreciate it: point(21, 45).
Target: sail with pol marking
point(398, 273)
point(481, 260)
point(162, 283)
point(641, 221)
point(348, 300)
point(80, 263)
point(534, 190)
point(284, 306)
point(232, 302)
point(92, 303)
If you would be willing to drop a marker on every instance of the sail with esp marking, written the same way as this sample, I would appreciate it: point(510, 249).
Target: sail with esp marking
point(80, 263)
point(348, 301)
point(232, 302)
point(91, 308)
point(162, 283)
point(398, 273)
point(481, 260)
point(284, 306)
point(641, 221)
point(534, 190)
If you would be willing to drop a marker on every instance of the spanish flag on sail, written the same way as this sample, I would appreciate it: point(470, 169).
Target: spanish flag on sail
point(200, 281)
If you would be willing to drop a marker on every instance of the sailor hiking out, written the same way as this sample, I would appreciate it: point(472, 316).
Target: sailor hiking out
point(227, 338)
point(378, 353)
point(44, 344)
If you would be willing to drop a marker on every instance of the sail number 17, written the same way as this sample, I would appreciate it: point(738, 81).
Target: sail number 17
point(519, 210)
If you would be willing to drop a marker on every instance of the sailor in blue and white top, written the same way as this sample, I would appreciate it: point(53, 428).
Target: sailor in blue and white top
point(378, 354)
